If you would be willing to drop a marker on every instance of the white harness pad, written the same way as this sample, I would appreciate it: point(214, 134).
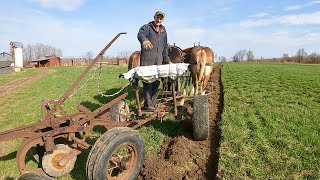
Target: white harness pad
point(152, 73)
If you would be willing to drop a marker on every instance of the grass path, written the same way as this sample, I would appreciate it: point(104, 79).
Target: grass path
point(8, 85)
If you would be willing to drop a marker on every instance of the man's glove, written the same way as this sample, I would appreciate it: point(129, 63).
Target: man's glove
point(147, 44)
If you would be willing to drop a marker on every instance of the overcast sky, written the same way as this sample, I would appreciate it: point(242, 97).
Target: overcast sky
point(269, 28)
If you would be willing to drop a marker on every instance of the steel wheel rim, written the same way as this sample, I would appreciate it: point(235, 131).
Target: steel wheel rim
point(122, 161)
point(22, 154)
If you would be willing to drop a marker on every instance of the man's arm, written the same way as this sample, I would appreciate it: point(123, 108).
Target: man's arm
point(142, 34)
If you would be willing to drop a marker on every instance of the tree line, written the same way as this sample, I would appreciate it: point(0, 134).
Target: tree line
point(301, 56)
point(39, 50)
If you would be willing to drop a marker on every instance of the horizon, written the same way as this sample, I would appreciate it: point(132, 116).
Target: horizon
point(270, 29)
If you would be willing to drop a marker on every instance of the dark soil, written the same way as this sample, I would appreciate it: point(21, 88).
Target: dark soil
point(183, 158)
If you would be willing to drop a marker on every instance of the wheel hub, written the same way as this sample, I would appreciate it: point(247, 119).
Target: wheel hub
point(50, 162)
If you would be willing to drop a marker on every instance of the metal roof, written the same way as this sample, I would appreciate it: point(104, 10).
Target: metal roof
point(41, 59)
point(16, 44)
point(45, 58)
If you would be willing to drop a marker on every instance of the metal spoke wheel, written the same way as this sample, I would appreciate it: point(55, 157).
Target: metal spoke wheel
point(50, 162)
point(122, 161)
point(118, 155)
point(120, 111)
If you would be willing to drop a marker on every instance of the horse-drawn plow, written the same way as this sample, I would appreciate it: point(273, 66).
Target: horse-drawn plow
point(57, 139)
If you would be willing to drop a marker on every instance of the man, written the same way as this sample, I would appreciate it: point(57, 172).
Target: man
point(153, 40)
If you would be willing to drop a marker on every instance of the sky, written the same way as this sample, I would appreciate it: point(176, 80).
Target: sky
point(269, 28)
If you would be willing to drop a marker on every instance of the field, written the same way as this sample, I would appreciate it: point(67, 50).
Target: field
point(270, 123)
point(264, 122)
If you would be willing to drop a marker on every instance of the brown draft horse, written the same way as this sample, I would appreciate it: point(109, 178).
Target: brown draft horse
point(201, 66)
point(175, 54)
point(200, 59)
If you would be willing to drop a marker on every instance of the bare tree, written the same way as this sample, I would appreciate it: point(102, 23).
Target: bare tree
point(286, 57)
point(239, 56)
point(89, 56)
point(39, 50)
point(222, 59)
point(314, 58)
point(301, 54)
point(250, 56)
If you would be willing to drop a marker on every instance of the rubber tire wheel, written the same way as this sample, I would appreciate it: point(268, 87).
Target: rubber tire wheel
point(30, 176)
point(98, 145)
point(200, 117)
point(48, 167)
point(110, 145)
point(116, 108)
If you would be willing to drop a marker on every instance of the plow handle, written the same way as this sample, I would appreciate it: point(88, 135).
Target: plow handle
point(73, 86)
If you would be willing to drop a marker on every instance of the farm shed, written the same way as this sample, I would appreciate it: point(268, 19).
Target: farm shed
point(121, 61)
point(47, 61)
point(5, 63)
point(73, 61)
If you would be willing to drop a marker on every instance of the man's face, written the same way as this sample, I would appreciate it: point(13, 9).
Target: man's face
point(158, 19)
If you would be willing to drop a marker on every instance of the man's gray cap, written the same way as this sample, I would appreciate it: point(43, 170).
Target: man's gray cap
point(159, 13)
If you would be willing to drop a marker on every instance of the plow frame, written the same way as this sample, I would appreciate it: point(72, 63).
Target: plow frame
point(55, 125)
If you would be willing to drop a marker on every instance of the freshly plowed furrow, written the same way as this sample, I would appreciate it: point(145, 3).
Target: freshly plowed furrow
point(183, 158)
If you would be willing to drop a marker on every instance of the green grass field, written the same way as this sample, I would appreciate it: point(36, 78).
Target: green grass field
point(22, 106)
point(271, 121)
point(270, 126)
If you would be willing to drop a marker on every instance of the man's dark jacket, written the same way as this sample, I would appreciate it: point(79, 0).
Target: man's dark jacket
point(159, 52)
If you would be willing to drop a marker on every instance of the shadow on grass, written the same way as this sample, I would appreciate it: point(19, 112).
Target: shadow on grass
point(9, 178)
point(104, 100)
point(9, 156)
point(79, 170)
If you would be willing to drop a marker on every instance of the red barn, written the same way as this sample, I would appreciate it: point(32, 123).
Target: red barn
point(47, 61)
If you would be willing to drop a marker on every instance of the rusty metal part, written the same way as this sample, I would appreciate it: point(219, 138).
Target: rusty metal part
point(55, 125)
point(122, 161)
point(136, 94)
point(22, 153)
point(68, 157)
point(174, 99)
point(73, 86)
point(51, 162)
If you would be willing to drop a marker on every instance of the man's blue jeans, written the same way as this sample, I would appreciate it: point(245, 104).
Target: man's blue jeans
point(150, 93)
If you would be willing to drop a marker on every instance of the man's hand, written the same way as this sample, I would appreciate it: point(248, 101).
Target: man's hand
point(147, 44)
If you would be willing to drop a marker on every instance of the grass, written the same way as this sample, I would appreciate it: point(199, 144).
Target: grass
point(22, 106)
point(270, 123)
point(4, 78)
